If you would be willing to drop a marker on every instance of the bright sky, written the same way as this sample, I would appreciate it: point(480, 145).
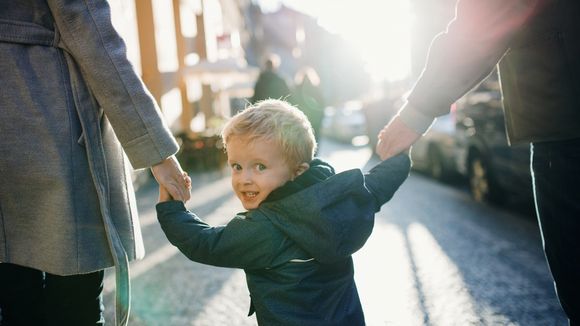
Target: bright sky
point(379, 29)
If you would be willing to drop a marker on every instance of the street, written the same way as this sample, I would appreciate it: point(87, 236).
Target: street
point(435, 258)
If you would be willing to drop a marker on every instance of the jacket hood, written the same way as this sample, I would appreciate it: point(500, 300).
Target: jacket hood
point(328, 215)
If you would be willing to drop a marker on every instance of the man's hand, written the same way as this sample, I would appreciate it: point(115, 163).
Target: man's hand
point(170, 176)
point(395, 138)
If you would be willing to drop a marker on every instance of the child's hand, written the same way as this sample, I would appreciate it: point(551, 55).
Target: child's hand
point(164, 194)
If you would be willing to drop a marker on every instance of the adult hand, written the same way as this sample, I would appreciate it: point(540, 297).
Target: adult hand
point(164, 194)
point(170, 176)
point(395, 138)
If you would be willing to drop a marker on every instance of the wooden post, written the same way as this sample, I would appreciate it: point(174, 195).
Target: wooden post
point(147, 46)
point(187, 110)
point(206, 102)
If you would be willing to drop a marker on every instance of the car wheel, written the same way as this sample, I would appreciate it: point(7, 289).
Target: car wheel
point(436, 169)
point(481, 183)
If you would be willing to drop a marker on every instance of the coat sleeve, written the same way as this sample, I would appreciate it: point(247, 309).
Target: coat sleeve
point(242, 243)
point(384, 179)
point(86, 32)
point(463, 55)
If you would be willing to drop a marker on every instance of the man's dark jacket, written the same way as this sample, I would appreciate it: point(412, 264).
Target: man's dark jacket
point(536, 46)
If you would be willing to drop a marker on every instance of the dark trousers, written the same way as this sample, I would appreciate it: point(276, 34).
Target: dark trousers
point(556, 174)
point(21, 295)
point(31, 297)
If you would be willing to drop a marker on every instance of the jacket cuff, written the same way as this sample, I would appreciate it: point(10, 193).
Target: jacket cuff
point(151, 148)
point(415, 119)
point(171, 206)
point(385, 178)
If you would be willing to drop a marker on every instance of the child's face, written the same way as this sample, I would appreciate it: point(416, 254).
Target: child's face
point(258, 167)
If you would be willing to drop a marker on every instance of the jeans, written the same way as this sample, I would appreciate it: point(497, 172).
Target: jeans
point(31, 297)
point(556, 175)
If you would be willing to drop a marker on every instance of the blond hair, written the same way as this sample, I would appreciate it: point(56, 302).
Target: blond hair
point(275, 120)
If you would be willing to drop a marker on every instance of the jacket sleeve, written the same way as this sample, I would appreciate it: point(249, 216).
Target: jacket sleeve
point(242, 243)
point(87, 34)
point(463, 55)
point(384, 179)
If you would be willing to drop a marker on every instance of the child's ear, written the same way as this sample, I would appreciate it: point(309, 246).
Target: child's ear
point(301, 169)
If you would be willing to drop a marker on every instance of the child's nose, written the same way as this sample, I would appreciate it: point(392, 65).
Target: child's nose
point(247, 177)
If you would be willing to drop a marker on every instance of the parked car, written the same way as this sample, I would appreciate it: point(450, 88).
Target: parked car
point(343, 123)
point(435, 152)
point(495, 171)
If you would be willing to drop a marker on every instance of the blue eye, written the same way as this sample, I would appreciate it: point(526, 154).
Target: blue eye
point(236, 167)
point(260, 167)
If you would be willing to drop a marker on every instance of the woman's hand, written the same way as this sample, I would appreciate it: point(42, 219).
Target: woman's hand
point(171, 177)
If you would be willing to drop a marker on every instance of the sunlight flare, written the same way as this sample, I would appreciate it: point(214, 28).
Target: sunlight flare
point(379, 30)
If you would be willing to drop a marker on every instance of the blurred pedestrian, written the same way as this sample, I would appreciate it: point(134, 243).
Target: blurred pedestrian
point(302, 221)
point(536, 45)
point(307, 96)
point(72, 107)
point(270, 84)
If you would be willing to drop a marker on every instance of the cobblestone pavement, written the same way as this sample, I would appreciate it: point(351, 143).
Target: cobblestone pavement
point(435, 258)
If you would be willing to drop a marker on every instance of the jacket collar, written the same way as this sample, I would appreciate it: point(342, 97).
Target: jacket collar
point(318, 171)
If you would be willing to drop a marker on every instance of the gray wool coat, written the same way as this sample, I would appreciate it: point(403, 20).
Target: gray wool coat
point(71, 107)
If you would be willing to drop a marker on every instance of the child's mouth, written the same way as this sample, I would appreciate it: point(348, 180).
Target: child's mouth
point(250, 194)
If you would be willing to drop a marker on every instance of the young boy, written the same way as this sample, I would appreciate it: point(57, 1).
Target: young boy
point(302, 222)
